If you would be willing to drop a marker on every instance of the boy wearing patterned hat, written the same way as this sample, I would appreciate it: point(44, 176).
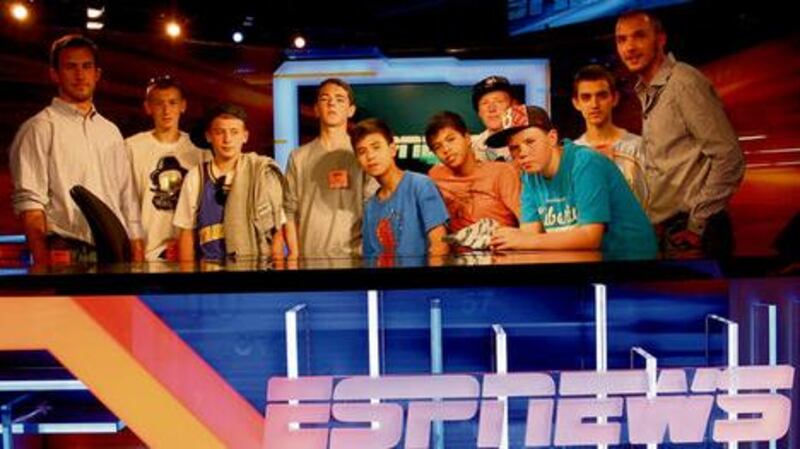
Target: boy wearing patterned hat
point(573, 198)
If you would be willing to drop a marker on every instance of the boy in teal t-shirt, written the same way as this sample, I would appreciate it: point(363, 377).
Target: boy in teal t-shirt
point(572, 197)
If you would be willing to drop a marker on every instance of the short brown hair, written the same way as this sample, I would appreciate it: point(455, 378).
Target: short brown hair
point(442, 120)
point(71, 41)
point(370, 126)
point(341, 83)
point(227, 110)
point(593, 72)
point(658, 26)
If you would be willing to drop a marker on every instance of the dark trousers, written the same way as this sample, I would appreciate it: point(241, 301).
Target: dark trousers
point(716, 242)
point(65, 250)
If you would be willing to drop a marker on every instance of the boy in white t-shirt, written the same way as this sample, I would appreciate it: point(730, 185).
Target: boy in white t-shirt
point(161, 157)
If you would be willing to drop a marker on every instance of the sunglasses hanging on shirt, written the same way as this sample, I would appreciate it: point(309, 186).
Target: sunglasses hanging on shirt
point(221, 190)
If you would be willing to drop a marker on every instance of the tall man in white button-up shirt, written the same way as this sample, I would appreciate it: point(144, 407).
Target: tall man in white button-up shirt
point(69, 143)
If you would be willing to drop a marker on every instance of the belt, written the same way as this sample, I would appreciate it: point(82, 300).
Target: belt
point(65, 250)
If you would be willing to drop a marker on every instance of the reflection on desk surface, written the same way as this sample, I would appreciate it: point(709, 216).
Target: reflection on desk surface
point(478, 258)
point(340, 274)
point(42, 397)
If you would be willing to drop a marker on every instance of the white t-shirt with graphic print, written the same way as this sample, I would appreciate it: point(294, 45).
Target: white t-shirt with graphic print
point(158, 173)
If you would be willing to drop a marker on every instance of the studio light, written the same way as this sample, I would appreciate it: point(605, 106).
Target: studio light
point(94, 13)
point(19, 12)
point(299, 42)
point(173, 29)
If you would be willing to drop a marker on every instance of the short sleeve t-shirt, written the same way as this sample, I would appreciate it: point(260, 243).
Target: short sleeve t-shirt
point(628, 155)
point(185, 216)
point(399, 225)
point(325, 194)
point(158, 172)
point(588, 188)
point(492, 191)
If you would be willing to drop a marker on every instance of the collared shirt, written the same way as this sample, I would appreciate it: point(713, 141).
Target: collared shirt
point(693, 161)
point(61, 147)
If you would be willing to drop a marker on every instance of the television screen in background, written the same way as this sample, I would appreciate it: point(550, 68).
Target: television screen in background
point(406, 108)
point(404, 92)
point(525, 16)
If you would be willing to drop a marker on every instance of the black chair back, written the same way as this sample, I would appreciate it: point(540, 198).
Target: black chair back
point(110, 238)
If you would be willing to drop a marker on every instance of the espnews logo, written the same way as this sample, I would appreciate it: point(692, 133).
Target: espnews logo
point(585, 408)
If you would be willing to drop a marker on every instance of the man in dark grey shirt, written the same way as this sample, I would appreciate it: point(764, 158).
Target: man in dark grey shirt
point(693, 160)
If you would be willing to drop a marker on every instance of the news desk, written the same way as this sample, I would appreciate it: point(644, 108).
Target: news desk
point(183, 354)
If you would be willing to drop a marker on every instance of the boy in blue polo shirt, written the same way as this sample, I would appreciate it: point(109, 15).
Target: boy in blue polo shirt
point(573, 198)
point(406, 216)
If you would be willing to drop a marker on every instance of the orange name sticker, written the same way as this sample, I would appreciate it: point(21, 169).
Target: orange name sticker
point(60, 256)
point(338, 179)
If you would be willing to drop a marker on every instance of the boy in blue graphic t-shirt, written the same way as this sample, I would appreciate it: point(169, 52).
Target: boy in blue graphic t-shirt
point(573, 198)
point(406, 216)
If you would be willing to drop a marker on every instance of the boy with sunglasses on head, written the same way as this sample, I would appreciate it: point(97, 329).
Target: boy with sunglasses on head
point(161, 157)
point(231, 206)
